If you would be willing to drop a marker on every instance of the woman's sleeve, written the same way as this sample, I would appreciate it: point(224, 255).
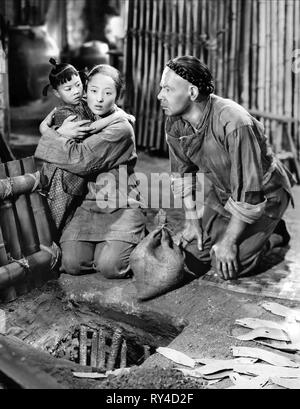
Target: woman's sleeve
point(247, 200)
point(97, 153)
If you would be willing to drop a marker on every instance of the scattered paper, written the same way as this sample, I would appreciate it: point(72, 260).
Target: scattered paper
point(119, 371)
point(91, 375)
point(267, 356)
point(267, 370)
point(244, 382)
point(176, 356)
point(282, 346)
point(271, 333)
point(286, 383)
point(224, 364)
point(254, 323)
point(281, 310)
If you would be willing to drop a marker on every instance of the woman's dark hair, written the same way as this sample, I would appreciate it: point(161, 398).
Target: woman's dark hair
point(60, 74)
point(193, 70)
point(111, 72)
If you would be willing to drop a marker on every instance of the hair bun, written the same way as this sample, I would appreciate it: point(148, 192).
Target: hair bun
point(53, 62)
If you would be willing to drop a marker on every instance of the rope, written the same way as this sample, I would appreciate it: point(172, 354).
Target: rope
point(55, 252)
point(23, 262)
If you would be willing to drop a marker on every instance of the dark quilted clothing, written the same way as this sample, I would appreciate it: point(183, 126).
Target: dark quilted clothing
point(64, 189)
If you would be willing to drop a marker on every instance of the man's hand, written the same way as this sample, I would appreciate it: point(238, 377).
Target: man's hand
point(47, 122)
point(226, 259)
point(75, 129)
point(192, 231)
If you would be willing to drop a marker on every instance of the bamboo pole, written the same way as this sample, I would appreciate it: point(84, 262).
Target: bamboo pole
point(296, 111)
point(166, 53)
point(288, 92)
point(134, 74)
point(196, 27)
point(129, 51)
point(220, 45)
point(114, 349)
point(273, 67)
point(277, 144)
point(287, 60)
point(138, 73)
point(29, 237)
point(204, 30)
point(152, 108)
point(245, 54)
point(267, 75)
point(174, 32)
point(261, 53)
point(3, 254)
point(189, 28)
point(212, 35)
point(101, 349)
point(8, 224)
point(10, 238)
point(144, 85)
point(11, 273)
point(254, 55)
point(232, 56)
point(237, 84)
point(44, 226)
point(225, 49)
point(180, 6)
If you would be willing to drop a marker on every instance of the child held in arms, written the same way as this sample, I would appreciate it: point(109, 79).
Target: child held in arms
point(64, 190)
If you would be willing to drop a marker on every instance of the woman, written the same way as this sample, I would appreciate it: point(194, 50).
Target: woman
point(110, 221)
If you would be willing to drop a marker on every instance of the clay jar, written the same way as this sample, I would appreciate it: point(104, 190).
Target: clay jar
point(28, 62)
point(92, 53)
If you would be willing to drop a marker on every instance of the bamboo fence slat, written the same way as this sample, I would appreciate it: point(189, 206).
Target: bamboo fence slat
point(245, 54)
point(248, 45)
point(144, 120)
point(226, 48)
point(189, 28)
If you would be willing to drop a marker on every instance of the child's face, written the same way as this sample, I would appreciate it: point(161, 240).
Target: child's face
point(101, 94)
point(71, 91)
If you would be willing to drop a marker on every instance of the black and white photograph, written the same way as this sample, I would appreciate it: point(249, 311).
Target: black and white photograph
point(149, 197)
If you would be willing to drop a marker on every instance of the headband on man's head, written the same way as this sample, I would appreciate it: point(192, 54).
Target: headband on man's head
point(204, 85)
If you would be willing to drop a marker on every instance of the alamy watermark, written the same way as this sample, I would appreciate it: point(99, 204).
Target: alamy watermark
point(122, 189)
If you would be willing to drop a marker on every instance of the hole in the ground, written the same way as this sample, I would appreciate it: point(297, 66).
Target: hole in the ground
point(102, 347)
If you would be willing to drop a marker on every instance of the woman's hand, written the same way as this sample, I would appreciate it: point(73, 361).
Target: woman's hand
point(192, 231)
point(47, 122)
point(75, 129)
point(226, 258)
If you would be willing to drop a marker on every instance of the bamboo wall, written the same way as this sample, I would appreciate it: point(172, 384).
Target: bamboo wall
point(248, 45)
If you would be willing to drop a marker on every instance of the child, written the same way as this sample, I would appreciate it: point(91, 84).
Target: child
point(64, 190)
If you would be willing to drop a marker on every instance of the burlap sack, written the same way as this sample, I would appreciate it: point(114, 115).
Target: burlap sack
point(157, 264)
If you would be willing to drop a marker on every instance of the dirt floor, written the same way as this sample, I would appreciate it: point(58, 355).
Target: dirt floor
point(197, 318)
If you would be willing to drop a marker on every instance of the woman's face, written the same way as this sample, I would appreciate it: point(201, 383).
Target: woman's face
point(101, 94)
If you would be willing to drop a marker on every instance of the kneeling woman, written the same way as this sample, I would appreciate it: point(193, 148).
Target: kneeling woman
point(110, 221)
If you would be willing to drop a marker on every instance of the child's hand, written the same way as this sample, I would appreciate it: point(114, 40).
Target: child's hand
point(75, 129)
point(47, 122)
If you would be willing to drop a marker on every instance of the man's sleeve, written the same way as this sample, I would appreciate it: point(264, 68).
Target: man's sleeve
point(247, 201)
point(183, 171)
point(99, 152)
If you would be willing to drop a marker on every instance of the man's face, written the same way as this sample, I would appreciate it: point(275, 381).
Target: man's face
point(174, 95)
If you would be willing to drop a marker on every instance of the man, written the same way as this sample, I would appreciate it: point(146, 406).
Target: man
point(250, 189)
